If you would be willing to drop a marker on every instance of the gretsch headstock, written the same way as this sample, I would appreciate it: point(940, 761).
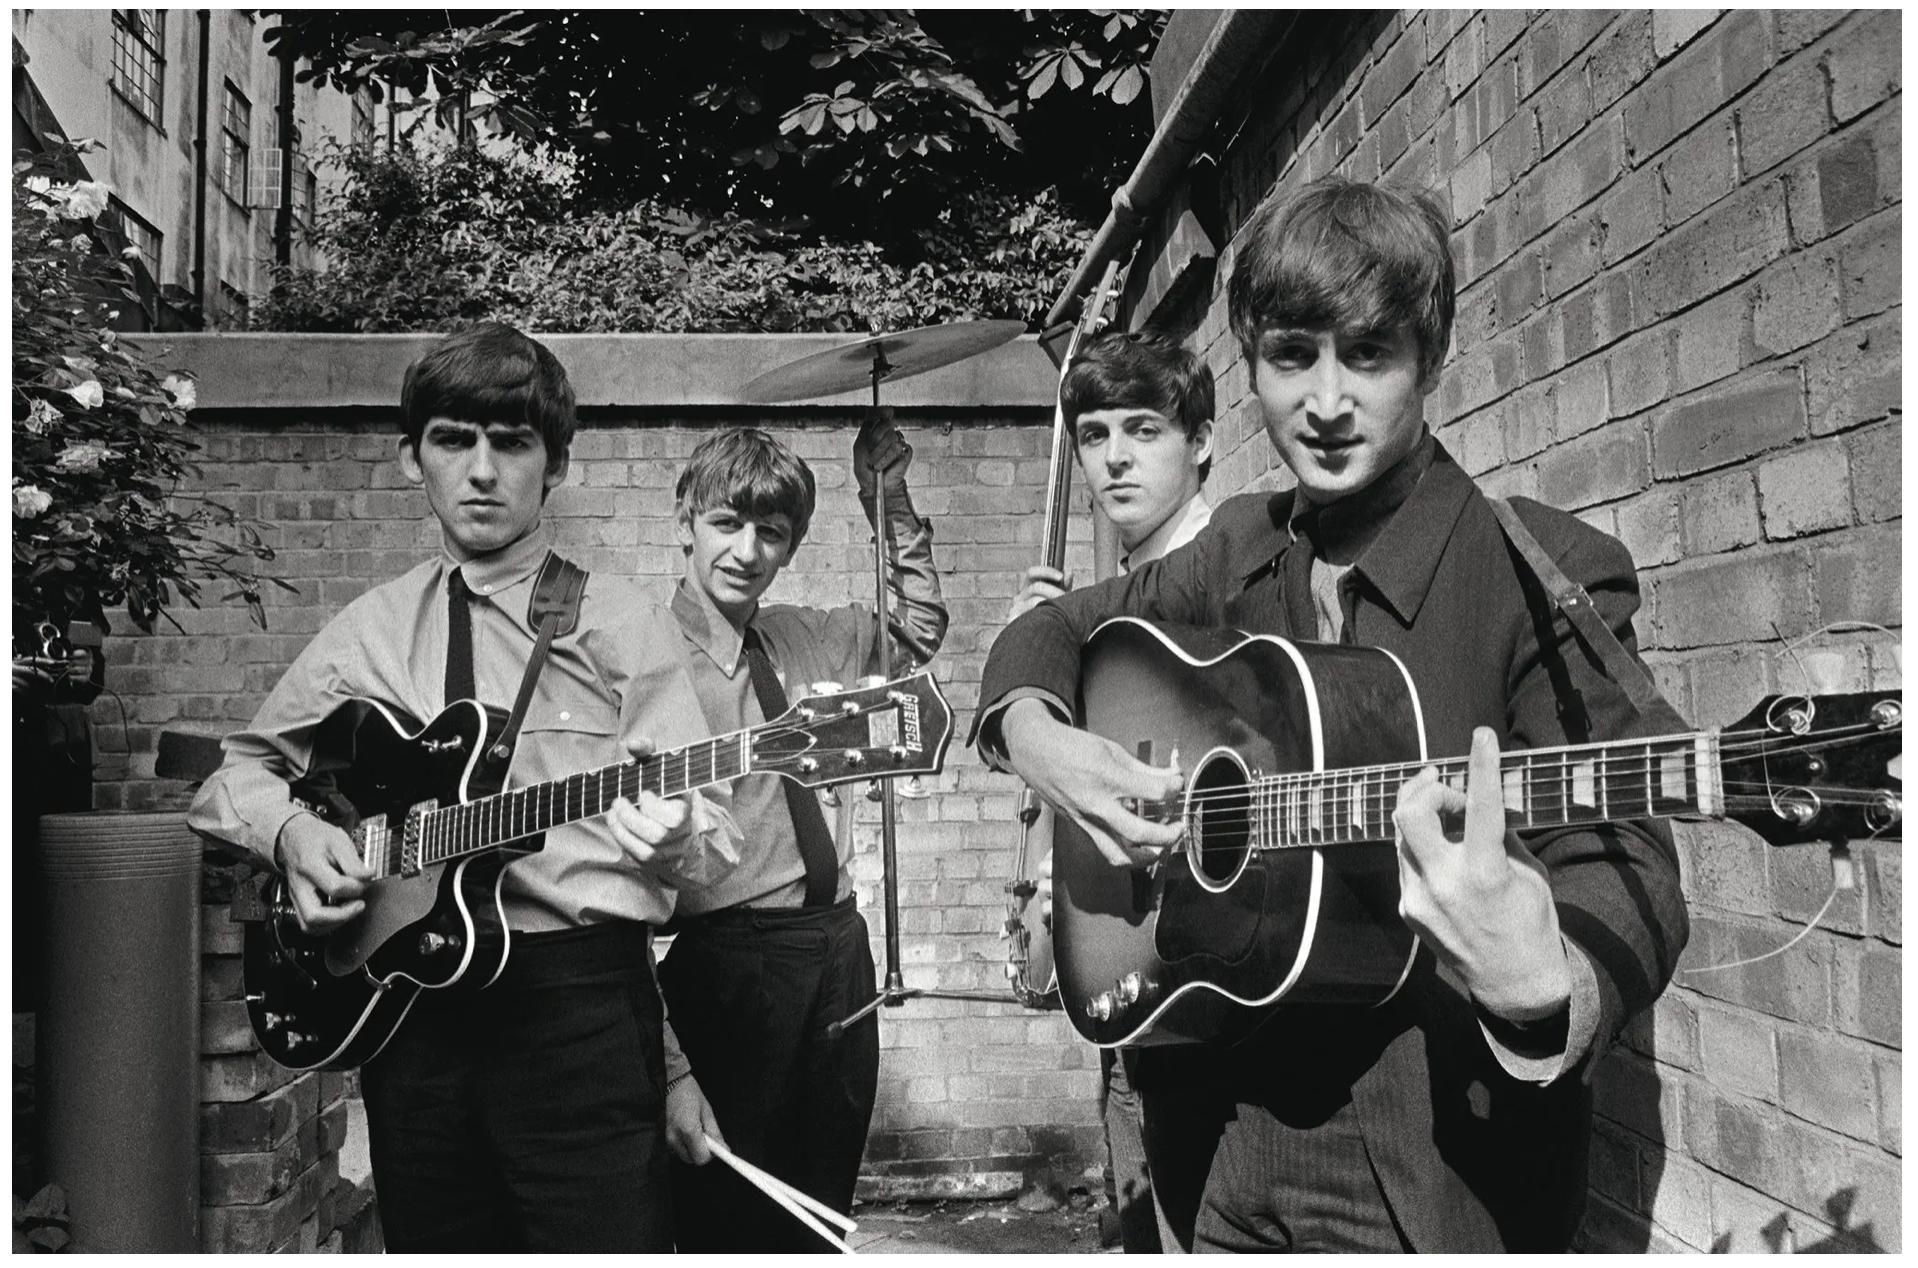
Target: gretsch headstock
point(874, 731)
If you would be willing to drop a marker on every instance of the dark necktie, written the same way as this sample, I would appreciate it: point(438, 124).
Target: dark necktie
point(459, 639)
point(1295, 581)
point(809, 824)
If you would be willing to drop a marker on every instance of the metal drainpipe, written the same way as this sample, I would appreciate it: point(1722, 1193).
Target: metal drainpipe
point(283, 218)
point(1240, 37)
point(200, 169)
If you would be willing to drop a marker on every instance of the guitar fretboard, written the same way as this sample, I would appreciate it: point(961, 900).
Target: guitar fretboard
point(1541, 788)
point(452, 831)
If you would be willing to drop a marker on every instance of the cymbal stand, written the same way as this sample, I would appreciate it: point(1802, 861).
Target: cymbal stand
point(895, 992)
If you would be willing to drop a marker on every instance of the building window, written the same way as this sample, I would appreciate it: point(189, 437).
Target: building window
point(230, 308)
point(236, 124)
point(139, 66)
point(141, 236)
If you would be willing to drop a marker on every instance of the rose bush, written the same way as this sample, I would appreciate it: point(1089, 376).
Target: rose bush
point(100, 436)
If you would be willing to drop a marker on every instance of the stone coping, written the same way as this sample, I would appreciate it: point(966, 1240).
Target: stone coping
point(304, 371)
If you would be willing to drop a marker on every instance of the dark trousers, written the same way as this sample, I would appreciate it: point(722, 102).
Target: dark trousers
point(1130, 1185)
point(751, 992)
point(528, 1117)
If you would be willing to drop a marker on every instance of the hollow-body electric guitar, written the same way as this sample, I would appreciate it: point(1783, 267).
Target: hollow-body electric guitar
point(413, 801)
point(1285, 887)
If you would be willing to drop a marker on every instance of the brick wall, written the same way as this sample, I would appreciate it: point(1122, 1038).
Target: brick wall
point(1677, 236)
point(272, 1142)
point(972, 1096)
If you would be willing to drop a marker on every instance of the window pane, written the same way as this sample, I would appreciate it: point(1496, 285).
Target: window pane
point(139, 36)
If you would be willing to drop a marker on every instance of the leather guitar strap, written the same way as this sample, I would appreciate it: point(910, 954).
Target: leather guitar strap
point(1572, 599)
point(553, 610)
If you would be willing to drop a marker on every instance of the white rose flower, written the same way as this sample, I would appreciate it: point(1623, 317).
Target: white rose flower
point(86, 456)
point(85, 200)
point(181, 388)
point(89, 394)
point(42, 416)
point(29, 500)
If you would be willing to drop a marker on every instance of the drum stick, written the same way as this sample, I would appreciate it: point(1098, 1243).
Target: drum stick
point(801, 1205)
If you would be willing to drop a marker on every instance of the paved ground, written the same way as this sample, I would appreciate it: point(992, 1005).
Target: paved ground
point(973, 1228)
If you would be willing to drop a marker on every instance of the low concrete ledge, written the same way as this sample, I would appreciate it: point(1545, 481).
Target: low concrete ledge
point(292, 371)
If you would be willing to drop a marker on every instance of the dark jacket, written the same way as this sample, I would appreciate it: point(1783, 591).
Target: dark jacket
point(1469, 1158)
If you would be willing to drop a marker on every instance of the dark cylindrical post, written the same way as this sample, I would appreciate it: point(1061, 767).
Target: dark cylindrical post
point(118, 1065)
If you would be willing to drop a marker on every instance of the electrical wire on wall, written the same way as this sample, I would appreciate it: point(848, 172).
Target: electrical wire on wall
point(1844, 869)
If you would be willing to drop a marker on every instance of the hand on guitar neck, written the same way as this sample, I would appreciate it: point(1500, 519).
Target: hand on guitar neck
point(1478, 897)
point(657, 833)
point(325, 877)
point(1090, 780)
point(1042, 583)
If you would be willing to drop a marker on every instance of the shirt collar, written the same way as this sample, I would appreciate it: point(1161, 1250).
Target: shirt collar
point(1176, 531)
point(506, 567)
point(1402, 560)
point(704, 626)
point(1361, 517)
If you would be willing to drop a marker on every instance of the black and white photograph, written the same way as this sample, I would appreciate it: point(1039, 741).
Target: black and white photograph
point(957, 631)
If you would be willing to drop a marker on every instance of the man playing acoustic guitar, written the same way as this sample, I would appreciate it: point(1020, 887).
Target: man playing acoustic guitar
point(529, 1115)
point(1139, 410)
point(1456, 1114)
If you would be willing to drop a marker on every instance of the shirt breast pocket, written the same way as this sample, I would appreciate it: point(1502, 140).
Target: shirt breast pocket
point(562, 738)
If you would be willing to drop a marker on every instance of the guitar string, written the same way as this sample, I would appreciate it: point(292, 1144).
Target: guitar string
point(449, 828)
point(1727, 743)
point(1608, 760)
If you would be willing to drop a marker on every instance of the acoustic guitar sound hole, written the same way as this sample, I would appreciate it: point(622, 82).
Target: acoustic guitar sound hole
point(1220, 823)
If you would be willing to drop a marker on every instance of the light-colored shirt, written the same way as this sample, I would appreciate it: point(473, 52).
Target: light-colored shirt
point(806, 646)
point(1173, 532)
point(610, 681)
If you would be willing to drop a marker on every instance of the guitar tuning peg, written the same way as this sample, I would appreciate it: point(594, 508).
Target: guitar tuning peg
point(915, 789)
point(874, 792)
point(872, 680)
point(830, 798)
point(825, 688)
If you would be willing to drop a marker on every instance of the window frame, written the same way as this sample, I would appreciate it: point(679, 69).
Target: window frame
point(128, 220)
point(236, 135)
point(137, 57)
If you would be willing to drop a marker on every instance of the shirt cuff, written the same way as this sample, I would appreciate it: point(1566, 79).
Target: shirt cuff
point(272, 854)
point(991, 740)
point(1541, 1052)
point(715, 845)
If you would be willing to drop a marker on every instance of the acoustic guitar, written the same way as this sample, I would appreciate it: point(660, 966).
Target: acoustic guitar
point(413, 800)
point(1285, 886)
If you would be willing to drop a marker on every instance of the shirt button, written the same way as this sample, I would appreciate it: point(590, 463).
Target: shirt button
point(486, 589)
point(564, 716)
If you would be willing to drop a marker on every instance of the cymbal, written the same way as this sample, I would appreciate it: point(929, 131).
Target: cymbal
point(906, 353)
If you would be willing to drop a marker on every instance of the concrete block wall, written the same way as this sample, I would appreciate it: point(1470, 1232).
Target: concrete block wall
point(972, 1096)
point(1677, 237)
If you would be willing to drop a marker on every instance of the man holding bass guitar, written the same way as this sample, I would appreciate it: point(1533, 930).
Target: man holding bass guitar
point(530, 1115)
point(1452, 1112)
point(1138, 408)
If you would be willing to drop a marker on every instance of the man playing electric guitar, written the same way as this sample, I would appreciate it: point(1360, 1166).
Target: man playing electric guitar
point(529, 1115)
point(1456, 1115)
point(1139, 410)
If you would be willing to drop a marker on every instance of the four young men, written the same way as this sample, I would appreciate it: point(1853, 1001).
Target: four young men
point(538, 1113)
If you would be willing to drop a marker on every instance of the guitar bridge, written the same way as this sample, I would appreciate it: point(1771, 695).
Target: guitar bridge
point(410, 837)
